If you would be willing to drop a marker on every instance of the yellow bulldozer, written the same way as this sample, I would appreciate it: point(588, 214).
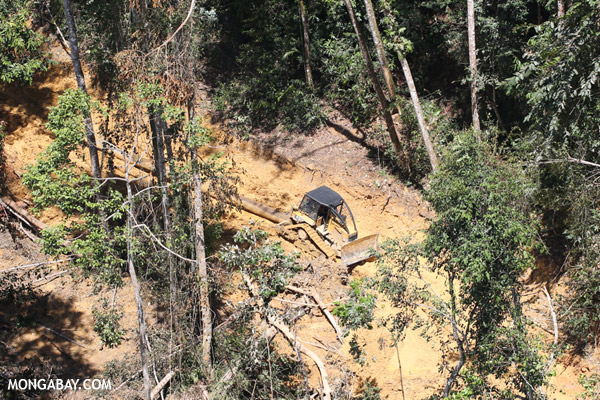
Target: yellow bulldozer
point(325, 218)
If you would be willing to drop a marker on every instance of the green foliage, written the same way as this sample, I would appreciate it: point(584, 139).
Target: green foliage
point(357, 312)
point(591, 386)
point(55, 180)
point(483, 235)
point(582, 320)
point(357, 352)
point(22, 55)
point(346, 81)
point(396, 264)
point(369, 391)
point(54, 172)
point(269, 89)
point(265, 261)
point(558, 78)
point(107, 326)
point(480, 243)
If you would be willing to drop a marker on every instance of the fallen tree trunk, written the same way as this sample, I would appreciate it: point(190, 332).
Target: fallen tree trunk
point(22, 214)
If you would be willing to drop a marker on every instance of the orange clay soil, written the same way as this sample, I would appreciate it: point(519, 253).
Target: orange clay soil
point(333, 156)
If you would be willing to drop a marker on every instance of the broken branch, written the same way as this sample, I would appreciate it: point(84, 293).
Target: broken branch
point(291, 338)
point(313, 293)
point(161, 385)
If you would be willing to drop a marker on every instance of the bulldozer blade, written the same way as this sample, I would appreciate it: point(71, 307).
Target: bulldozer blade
point(360, 250)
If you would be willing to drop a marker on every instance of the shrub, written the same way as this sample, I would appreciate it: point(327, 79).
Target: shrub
point(107, 325)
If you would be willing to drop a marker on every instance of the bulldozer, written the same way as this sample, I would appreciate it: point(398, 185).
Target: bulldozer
point(325, 218)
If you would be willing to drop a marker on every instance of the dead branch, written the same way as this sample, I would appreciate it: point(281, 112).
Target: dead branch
point(570, 160)
point(291, 338)
point(552, 313)
point(140, 164)
point(313, 293)
point(25, 232)
point(22, 214)
point(189, 14)
point(62, 336)
point(50, 277)
point(295, 343)
point(18, 267)
point(555, 325)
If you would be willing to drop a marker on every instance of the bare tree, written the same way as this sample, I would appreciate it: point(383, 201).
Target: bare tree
point(305, 38)
point(473, 63)
point(142, 328)
point(89, 127)
point(202, 268)
point(158, 128)
point(383, 101)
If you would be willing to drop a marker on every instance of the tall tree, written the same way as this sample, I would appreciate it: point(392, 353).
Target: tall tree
point(89, 127)
point(419, 112)
point(394, 30)
point(473, 64)
point(158, 128)
point(142, 329)
point(383, 101)
point(202, 279)
point(387, 75)
point(561, 8)
point(306, 47)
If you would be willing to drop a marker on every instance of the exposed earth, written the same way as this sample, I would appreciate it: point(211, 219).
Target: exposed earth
point(276, 170)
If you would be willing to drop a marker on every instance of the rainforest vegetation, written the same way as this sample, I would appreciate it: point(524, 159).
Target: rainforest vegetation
point(489, 109)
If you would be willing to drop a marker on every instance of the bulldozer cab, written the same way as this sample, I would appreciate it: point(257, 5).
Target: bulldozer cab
point(325, 209)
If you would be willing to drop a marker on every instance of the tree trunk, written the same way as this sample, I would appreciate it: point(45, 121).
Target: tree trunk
point(157, 126)
point(473, 63)
point(389, 122)
point(460, 343)
point(387, 75)
point(202, 272)
point(136, 289)
point(419, 113)
point(307, 68)
point(561, 9)
point(413, 90)
point(89, 127)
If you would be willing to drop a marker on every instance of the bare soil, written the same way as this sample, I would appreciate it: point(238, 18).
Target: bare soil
point(276, 170)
